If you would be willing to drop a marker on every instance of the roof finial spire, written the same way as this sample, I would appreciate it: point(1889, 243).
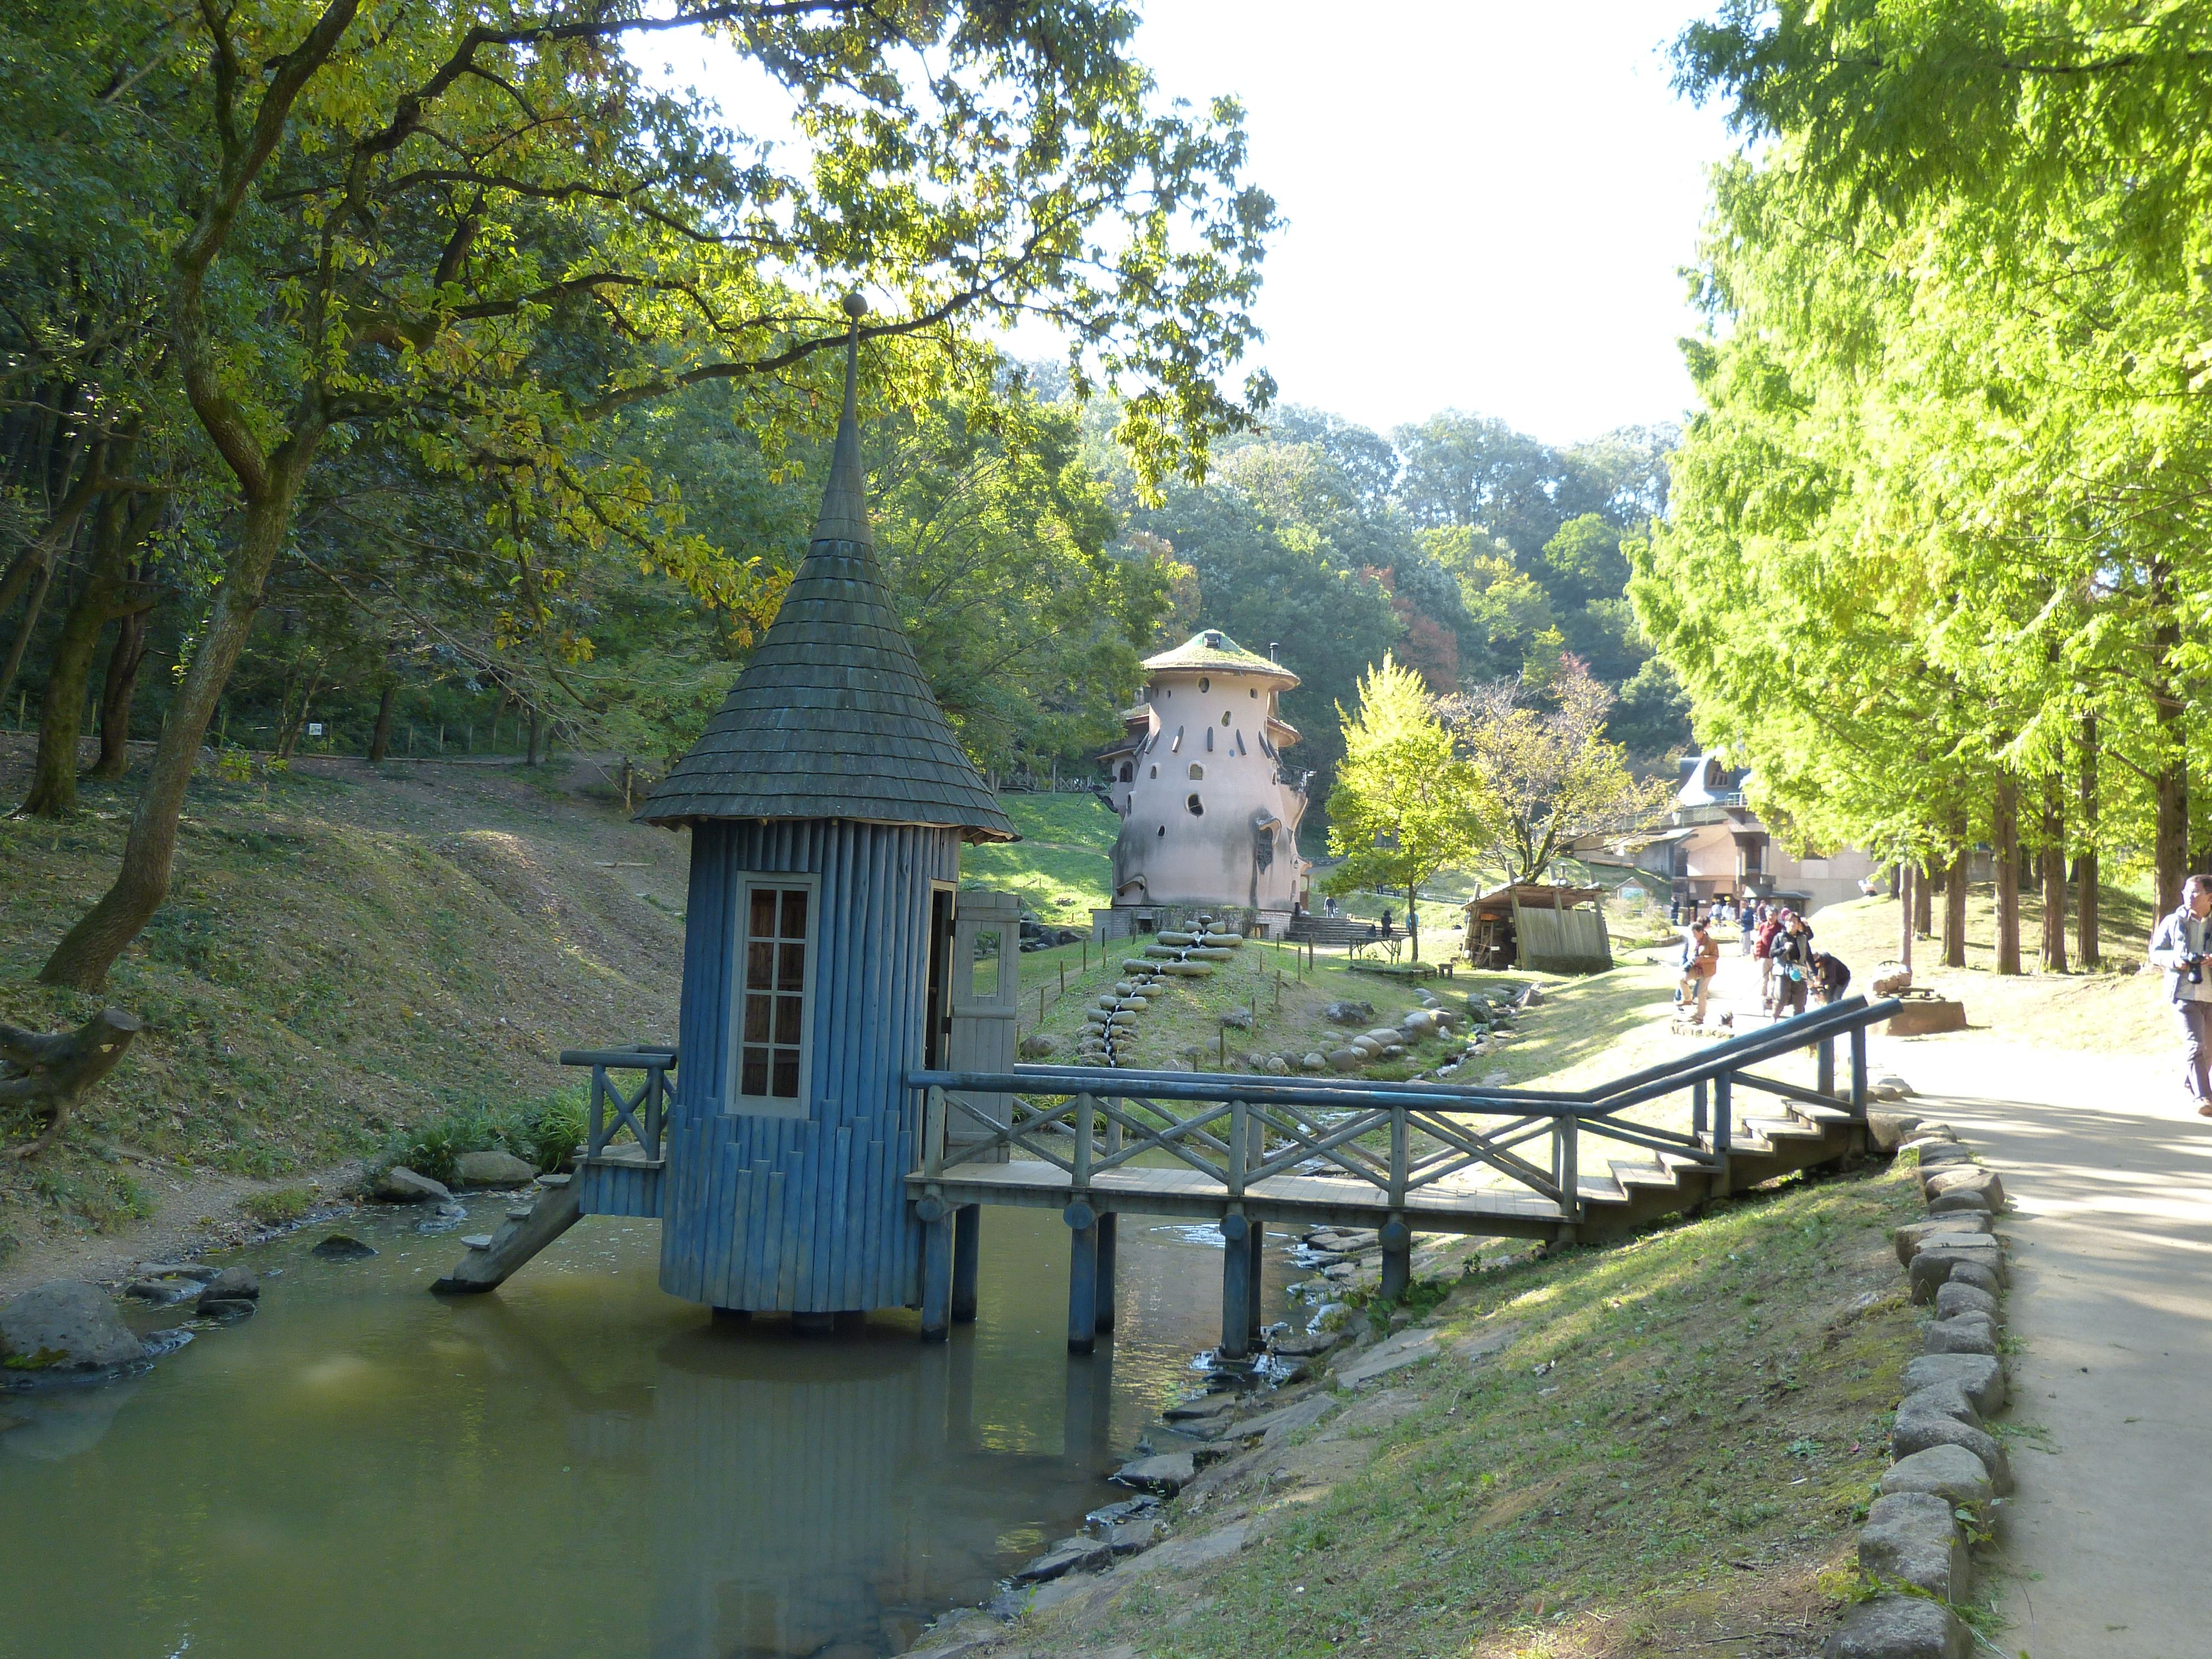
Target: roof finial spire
point(845, 499)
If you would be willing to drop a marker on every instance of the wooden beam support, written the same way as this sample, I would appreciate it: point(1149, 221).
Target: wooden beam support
point(1236, 1288)
point(967, 1253)
point(1082, 1276)
point(1107, 1229)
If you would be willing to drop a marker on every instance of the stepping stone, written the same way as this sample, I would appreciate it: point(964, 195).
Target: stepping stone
point(1942, 1417)
point(1900, 1627)
point(1964, 1333)
point(1166, 1472)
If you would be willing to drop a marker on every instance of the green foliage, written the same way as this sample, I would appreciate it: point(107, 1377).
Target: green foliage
point(279, 1208)
point(545, 1133)
point(1405, 805)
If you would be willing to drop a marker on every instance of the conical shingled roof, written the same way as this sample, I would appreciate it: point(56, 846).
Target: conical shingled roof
point(832, 719)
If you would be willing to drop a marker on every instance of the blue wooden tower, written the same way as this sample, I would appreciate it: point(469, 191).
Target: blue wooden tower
point(828, 801)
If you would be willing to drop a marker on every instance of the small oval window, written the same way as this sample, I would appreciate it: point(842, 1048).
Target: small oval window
point(1127, 771)
point(1197, 809)
point(1204, 684)
point(1163, 829)
point(1156, 771)
point(1196, 771)
point(1225, 717)
point(1254, 692)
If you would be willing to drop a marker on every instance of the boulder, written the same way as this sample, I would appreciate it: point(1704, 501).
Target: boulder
point(65, 1324)
point(1531, 998)
point(1913, 1536)
point(1956, 1297)
point(1934, 1154)
point(1348, 1013)
point(1973, 1180)
point(1979, 1274)
point(1347, 1060)
point(1966, 1334)
point(199, 1271)
point(1379, 1036)
point(1978, 1377)
point(1910, 1237)
point(401, 1185)
point(162, 1292)
point(1959, 1201)
point(343, 1247)
point(1038, 1046)
point(225, 1310)
point(1891, 1080)
point(1898, 1627)
point(1078, 1553)
point(1238, 1019)
point(233, 1284)
point(1889, 1130)
point(1951, 1472)
point(1932, 1266)
point(1304, 1345)
point(1418, 1024)
point(1166, 1473)
point(1275, 1066)
point(1942, 1417)
point(1312, 1062)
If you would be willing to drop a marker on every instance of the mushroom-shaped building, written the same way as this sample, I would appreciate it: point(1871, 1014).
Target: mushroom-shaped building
point(1209, 807)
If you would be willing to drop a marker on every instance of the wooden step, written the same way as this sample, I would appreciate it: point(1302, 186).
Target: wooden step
point(1600, 1189)
point(1783, 1128)
point(1812, 1114)
point(1630, 1173)
point(478, 1241)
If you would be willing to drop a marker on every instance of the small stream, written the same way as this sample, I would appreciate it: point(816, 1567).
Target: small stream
point(578, 1464)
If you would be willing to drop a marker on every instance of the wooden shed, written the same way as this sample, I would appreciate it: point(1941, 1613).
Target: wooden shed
point(1556, 930)
point(827, 801)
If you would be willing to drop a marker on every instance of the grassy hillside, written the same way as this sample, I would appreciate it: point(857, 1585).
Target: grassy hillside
point(343, 954)
point(1062, 867)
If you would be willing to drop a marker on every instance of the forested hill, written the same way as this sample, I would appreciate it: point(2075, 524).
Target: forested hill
point(1472, 551)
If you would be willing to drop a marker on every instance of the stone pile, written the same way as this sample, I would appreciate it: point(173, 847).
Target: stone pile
point(1949, 1470)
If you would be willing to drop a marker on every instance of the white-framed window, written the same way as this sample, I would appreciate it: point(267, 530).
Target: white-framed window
point(772, 1019)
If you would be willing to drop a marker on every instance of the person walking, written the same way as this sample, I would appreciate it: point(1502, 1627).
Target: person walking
point(2179, 945)
point(1762, 952)
point(1791, 956)
point(1701, 959)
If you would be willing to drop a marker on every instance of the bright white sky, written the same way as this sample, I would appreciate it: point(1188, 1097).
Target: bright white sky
point(1489, 203)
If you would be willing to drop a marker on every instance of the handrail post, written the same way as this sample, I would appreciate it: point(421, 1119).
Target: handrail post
point(654, 1107)
point(932, 1134)
point(1240, 1120)
point(1399, 1159)
point(1723, 1130)
point(1567, 1129)
point(1859, 1071)
point(1823, 1078)
point(596, 1137)
point(1086, 1126)
point(1107, 1227)
point(1700, 1113)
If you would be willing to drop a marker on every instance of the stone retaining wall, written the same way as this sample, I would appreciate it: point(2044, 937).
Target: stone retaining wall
point(1939, 1497)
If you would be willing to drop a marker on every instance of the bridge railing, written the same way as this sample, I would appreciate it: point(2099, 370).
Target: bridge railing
point(643, 1111)
point(1237, 1130)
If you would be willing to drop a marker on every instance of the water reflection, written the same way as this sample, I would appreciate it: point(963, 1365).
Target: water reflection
point(579, 1465)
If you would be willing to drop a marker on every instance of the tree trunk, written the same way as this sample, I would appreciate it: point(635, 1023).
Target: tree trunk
point(1925, 881)
point(116, 529)
point(1955, 908)
point(2051, 956)
point(530, 757)
point(1413, 918)
point(380, 736)
point(2004, 840)
point(51, 1073)
point(21, 643)
point(120, 686)
point(85, 954)
point(2170, 787)
point(1908, 881)
point(2086, 871)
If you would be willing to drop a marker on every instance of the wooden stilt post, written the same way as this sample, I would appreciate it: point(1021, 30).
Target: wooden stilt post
point(1824, 1076)
point(966, 1241)
point(1236, 1288)
point(936, 1271)
point(1723, 1130)
point(1700, 1112)
point(1397, 1241)
point(1859, 1072)
point(1082, 1276)
point(1255, 1292)
point(1108, 1228)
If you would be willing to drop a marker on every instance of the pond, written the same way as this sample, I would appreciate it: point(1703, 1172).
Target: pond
point(579, 1464)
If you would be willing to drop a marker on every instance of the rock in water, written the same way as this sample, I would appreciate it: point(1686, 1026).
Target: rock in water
point(343, 1247)
point(229, 1310)
point(231, 1284)
point(492, 1168)
point(65, 1324)
point(1166, 1472)
point(401, 1185)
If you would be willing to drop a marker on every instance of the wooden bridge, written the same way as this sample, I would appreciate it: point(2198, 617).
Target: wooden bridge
point(1401, 1157)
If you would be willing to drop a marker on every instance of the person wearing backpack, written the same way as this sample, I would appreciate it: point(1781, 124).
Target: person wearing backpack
point(1791, 957)
point(1762, 952)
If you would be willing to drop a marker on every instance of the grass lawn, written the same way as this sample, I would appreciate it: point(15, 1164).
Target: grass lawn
point(1667, 1454)
point(1062, 867)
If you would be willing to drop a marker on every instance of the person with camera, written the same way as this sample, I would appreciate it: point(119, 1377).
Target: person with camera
point(2180, 944)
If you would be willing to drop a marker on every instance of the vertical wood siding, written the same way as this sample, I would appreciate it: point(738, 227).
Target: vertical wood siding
point(805, 1214)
